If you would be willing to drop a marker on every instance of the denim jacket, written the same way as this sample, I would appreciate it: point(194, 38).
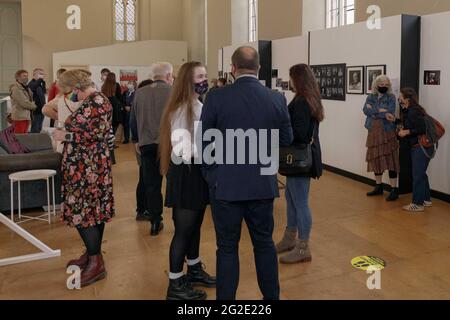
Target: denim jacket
point(387, 102)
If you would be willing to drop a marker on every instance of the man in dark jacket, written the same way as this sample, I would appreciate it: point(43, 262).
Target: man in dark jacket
point(245, 190)
point(38, 87)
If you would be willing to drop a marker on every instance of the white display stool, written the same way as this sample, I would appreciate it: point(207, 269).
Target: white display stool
point(33, 175)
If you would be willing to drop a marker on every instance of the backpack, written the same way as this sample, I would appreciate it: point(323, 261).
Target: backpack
point(434, 132)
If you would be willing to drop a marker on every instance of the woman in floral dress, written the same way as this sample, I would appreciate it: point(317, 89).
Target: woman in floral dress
point(88, 201)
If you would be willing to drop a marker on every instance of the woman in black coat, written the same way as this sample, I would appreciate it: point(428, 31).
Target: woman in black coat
point(306, 113)
point(413, 126)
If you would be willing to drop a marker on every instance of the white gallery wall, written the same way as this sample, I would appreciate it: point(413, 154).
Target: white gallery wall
point(435, 55)
point(228, 53)
point(286, 53)
point(139, 53)
point(343, 135)
point(143, 72)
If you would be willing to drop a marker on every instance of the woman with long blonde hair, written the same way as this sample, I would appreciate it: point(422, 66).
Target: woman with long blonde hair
point(186, 191)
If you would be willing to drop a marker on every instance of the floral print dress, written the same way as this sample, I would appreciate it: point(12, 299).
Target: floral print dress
point(87, 186)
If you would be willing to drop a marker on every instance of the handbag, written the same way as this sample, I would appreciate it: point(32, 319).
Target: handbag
point(10, 141)
point(297, 159)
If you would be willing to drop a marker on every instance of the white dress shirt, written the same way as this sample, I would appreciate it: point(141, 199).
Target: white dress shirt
point(183, 139)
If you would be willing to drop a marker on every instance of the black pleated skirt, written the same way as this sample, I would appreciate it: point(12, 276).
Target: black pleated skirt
point(186, 188)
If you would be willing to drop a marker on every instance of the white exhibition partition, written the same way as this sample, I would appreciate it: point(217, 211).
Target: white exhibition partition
point(435, 55)
point(228, 53)
point(139, 53)
point(143, 72)
point(343, 135)
point(286, 53)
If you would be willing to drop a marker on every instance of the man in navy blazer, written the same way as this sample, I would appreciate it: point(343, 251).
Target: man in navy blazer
point(243, 184)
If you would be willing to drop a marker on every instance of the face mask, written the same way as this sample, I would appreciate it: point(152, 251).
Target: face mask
point(24, 81)
point(383, 90)
point(41, 76)
point(130, 87)
point(202, 87)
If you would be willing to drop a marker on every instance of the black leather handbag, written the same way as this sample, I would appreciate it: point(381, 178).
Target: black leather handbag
point(297, 159)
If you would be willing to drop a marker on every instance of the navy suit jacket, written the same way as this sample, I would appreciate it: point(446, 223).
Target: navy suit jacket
point(246, 104)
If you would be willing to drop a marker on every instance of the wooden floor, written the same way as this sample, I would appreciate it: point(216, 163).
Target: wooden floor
point(346, 224)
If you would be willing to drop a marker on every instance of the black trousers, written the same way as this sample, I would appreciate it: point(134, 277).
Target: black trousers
point(228, 217)
point(140, 191)
point(186, 240)
point(152, 180)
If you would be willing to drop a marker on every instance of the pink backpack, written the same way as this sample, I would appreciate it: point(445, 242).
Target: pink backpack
point(9, 140)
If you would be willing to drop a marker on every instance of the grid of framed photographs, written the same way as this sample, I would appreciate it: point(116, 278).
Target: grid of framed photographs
point(331, 80)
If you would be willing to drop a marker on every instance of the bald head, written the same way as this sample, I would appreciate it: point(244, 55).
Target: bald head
point(245, 60)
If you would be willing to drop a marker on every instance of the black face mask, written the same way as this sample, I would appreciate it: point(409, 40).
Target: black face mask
point(383, 90)
point(202, 87)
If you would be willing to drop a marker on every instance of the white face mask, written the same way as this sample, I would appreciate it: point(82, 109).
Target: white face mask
point(130, 87)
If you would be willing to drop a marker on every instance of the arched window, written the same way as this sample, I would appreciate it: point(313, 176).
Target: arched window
point(125, 16)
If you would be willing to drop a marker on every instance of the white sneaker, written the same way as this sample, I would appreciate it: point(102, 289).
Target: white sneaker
point(427, 204)
point(414, 208)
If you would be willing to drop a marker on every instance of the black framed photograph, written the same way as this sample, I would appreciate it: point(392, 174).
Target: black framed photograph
point(372, 72)
point(279, 83)
point(274, 73)
point(285, 85)
point(432, 78)
point(355, 80)
point(331, 79)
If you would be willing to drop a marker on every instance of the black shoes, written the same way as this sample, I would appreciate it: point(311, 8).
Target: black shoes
point(156, 228)
point(181, 289)
point(378, 191)
point(393, 196)
point(198, 277)
point(143, 216)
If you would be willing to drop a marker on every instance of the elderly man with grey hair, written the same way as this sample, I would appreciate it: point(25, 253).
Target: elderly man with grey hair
point(148, 106)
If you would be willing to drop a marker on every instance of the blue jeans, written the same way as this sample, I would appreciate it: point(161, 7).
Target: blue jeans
point(298, 212)
point(421, 185)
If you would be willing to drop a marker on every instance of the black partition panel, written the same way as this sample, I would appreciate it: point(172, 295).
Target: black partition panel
point(410, 77)
point(265, 53)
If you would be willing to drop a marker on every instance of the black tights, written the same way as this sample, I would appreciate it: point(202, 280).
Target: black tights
point(392, 174)
point(186, 240)
point(92, 238)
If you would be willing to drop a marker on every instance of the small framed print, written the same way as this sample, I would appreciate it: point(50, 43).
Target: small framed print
point(372, 72)
point(355, 80)
point(432, 78)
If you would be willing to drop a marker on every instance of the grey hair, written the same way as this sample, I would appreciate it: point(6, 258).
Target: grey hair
point(378, 80)
point(161, 70)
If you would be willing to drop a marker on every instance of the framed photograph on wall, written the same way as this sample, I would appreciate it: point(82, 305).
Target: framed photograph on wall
point(332, 80)
point(372, 72)
point(355, 80)
point(432, 78)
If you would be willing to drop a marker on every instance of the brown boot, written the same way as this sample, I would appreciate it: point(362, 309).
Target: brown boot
point(299, 254)
point(81, 262)
point(288, 241)
point(95, 271)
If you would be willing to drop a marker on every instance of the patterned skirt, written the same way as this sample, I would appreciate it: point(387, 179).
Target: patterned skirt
point(382, 149)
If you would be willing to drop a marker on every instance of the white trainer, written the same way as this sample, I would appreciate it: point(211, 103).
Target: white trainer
point(427, 204)
point(414, 208)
